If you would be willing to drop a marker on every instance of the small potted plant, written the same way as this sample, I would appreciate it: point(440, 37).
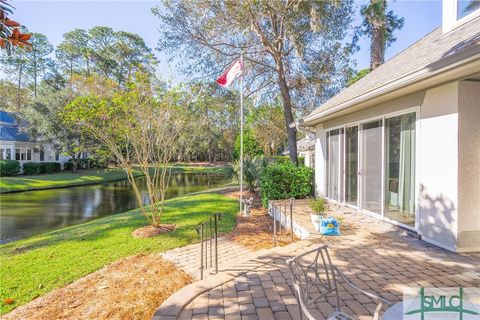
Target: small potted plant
point(327, 226)
point(318, 206)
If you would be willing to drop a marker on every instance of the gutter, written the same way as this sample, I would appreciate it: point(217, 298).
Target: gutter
point(298, 125)
point(405, 81)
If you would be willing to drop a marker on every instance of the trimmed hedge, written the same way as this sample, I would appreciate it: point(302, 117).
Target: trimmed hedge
point(284, 181)
point(68, 166)
point(49, 167)
point(9, 168)
point(31, 168)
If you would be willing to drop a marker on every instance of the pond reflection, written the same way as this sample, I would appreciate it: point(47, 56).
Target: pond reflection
point(32, 212)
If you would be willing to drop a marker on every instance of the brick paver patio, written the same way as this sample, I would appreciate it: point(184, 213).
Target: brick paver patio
point(188, 257)
point(374, 255)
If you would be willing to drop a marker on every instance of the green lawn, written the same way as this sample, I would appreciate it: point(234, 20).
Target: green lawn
point(82, 177)
point(34, 266)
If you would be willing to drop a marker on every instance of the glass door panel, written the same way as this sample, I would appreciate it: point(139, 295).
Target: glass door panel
point(351, 165)
point(371, 173)
point(333, 164)
point(400, 168)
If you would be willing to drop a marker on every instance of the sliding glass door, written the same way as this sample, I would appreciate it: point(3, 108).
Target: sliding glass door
point(372, 166)
point(400, 169)
point(351, 165)
point(334, 164)
point(371, 172)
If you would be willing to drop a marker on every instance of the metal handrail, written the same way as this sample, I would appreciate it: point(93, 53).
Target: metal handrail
point(276, 208)
point(208, 232)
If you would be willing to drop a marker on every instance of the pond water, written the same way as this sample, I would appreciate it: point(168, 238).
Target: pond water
point(24, 214)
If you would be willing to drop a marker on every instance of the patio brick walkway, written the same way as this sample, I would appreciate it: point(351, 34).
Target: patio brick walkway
point(188, 257)
point(374, 256)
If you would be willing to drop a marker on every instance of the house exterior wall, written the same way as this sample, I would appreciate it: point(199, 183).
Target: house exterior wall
point(469, 166)
point(438, 201)
point(447, 160)
point(49, 155)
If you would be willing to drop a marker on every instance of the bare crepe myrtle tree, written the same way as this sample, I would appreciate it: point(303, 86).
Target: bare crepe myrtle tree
point(140, 128)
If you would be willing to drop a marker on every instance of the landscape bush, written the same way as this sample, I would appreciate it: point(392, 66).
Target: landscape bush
point(284, 181)
point(252, 169)
point(68, 166)
point(9, 168)
point(49, 167)
point(31, 168)
point(286, 160)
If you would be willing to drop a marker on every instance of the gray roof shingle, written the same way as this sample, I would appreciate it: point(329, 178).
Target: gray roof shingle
point(432, 49)
point(9, 130)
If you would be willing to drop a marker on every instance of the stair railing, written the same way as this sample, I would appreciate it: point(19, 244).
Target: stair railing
point(208, 233)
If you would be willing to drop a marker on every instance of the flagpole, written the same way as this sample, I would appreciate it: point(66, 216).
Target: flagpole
point(241, 133)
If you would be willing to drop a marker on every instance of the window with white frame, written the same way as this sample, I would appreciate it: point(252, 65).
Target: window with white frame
point(466, 7)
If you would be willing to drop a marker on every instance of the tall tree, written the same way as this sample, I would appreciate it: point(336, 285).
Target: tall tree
point(379, 25)
point(131, 55)
point(116, 55)
point(290, 46)
point(15, 65)
point(267, 126)
point(38, 58)
point(12, 100)
point(73, 52)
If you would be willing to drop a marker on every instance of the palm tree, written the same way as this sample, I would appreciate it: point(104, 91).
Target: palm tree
point(379, 25)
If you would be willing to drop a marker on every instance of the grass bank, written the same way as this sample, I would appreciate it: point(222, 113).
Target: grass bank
point(84, 177)
point(34, 266)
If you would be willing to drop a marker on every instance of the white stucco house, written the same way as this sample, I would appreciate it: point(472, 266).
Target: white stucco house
point(17, 145)
point(403, 143)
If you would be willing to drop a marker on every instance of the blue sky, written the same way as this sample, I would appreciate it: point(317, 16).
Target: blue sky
point(54, 18)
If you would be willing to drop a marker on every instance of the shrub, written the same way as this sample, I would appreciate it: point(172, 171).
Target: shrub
point(317, 205)
point(30, 168)
point(68, 166)
point(49, 167)
point(9, 167)
point(286, 160)
point(252, 169)
point(251, 147)
point(283, 181)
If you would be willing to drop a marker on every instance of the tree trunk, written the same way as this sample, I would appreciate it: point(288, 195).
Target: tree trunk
point(377, 49)
point(287, 111)
point(35, 75)
point(19, 86)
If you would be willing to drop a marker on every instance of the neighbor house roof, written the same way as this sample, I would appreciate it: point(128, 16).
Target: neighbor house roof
point(433, 52)
point(307, 143)
point(9, 129)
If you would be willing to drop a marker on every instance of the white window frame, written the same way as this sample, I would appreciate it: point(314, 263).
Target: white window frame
point(450, 14)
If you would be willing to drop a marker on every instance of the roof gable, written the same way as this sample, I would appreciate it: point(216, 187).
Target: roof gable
point(434, 49)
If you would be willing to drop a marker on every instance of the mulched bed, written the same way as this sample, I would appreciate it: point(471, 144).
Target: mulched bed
point(130, 288)
point(256, 231)
point(150, 231)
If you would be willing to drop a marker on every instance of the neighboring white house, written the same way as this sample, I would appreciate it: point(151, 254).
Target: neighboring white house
point(403, 143)
point(306, 149)
point(16, 145)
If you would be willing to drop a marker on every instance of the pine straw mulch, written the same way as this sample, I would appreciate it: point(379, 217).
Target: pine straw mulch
point(256, 231)
point(131, 288)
